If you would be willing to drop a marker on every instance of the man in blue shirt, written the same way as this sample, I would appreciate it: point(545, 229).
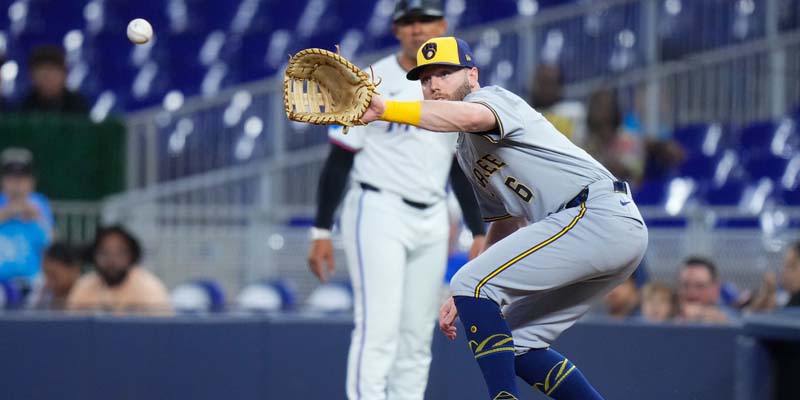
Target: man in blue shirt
point(26, 220)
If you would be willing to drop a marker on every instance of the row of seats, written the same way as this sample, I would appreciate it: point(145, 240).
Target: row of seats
point(202, 46)
point(278, 295)
point(203, 296)
point(724, 167)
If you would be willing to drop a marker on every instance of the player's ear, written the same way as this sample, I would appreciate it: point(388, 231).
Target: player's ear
point(472, 75)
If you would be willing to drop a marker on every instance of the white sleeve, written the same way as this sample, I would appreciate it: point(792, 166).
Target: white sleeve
point(353, 140)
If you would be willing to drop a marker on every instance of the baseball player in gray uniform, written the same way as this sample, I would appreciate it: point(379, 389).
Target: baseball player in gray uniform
point(394, 225)
point(563, 230)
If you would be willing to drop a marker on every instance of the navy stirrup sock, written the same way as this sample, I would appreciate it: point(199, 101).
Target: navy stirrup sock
point(490, 340)
point(554, 375)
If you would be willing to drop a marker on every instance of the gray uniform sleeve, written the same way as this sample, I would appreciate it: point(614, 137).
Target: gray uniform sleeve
point(492, 209)
point(505, 106)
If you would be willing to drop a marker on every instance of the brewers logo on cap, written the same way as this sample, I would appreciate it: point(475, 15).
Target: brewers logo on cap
point(429, 50)
point(442, 51)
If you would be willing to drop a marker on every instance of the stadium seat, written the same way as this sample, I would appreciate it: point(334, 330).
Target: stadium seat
point(789, 197)
point(198, 296)
point(268, 296)
point(699, 168)
point(766, 166)
point(11, 296)
point(728, 194)
point(331, 298)
point(697, 139)
point(776, 137)
point(651, 193)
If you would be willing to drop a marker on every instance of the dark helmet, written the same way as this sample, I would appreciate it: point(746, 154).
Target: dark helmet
point(425, 8)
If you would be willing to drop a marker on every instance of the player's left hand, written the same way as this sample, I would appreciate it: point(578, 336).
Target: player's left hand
point(447, 318)
point(478, 246)
point(375, 110)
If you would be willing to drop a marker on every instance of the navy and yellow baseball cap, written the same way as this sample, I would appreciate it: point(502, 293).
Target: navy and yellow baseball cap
point(447, 50)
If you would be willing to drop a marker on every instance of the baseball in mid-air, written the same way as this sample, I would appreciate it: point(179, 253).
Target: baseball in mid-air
point(140, 31)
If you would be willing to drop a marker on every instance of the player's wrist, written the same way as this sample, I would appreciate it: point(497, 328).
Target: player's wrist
point(316, 233)
point(402, 112)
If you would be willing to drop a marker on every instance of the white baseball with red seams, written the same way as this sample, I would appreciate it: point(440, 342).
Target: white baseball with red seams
point(140, 31)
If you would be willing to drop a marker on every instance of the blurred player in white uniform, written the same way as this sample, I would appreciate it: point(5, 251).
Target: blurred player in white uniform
point(394, 224)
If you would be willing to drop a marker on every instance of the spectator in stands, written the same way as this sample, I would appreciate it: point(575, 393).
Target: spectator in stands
point(619, 151)
point(663, 154)
point(48, 70)
point(791, 274)
point(623, 301)
point(25, 218)
point(118, 283)
point(658, 302)
point(62, 268)
point(765, 298)
point(547, 97)
point(699, 293)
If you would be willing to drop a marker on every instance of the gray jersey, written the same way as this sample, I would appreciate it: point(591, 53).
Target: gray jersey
point(525, 167)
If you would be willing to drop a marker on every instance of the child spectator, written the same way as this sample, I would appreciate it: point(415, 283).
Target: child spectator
point(658, 302)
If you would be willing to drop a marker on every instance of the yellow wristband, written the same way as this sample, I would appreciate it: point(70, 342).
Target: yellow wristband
point(403, 112)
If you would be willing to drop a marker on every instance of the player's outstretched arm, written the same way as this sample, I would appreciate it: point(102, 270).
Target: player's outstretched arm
point(433, 115)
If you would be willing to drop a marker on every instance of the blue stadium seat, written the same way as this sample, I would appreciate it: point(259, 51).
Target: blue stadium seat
point(699, 168)
point(703, 138)
point(268, 296)
point(757, 137)
point(483, 11)
point(333, 297)
point(117, 14)
point(694, 30)
point(729, 194)
point(57, 16)
point(766, 166)
point(789, 197)
point(199, 296)
point(776, 137)
point(276, 14)
point(651, 193)
point(11, 296)
point(204, 16)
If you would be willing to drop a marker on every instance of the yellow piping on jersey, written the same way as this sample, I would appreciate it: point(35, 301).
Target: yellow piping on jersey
point(531, 250)
point(489, 138)
point(496, 117)
point(492, 219)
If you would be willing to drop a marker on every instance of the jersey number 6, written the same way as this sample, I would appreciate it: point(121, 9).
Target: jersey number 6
point(521, 190)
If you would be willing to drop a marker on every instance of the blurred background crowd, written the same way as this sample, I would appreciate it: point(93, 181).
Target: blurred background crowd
point(165, 178)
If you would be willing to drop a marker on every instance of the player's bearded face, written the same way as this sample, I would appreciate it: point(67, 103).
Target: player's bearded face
point(445, 83)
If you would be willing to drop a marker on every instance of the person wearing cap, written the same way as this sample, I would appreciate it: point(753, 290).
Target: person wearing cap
point(26, 220)
point(49, 93)
point(564, 231)
point(394, 225)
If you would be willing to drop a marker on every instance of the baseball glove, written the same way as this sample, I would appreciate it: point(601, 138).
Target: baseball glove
point(324, 88)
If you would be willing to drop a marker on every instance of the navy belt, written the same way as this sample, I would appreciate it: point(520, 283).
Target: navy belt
point(415, 204)
point(619, 187)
